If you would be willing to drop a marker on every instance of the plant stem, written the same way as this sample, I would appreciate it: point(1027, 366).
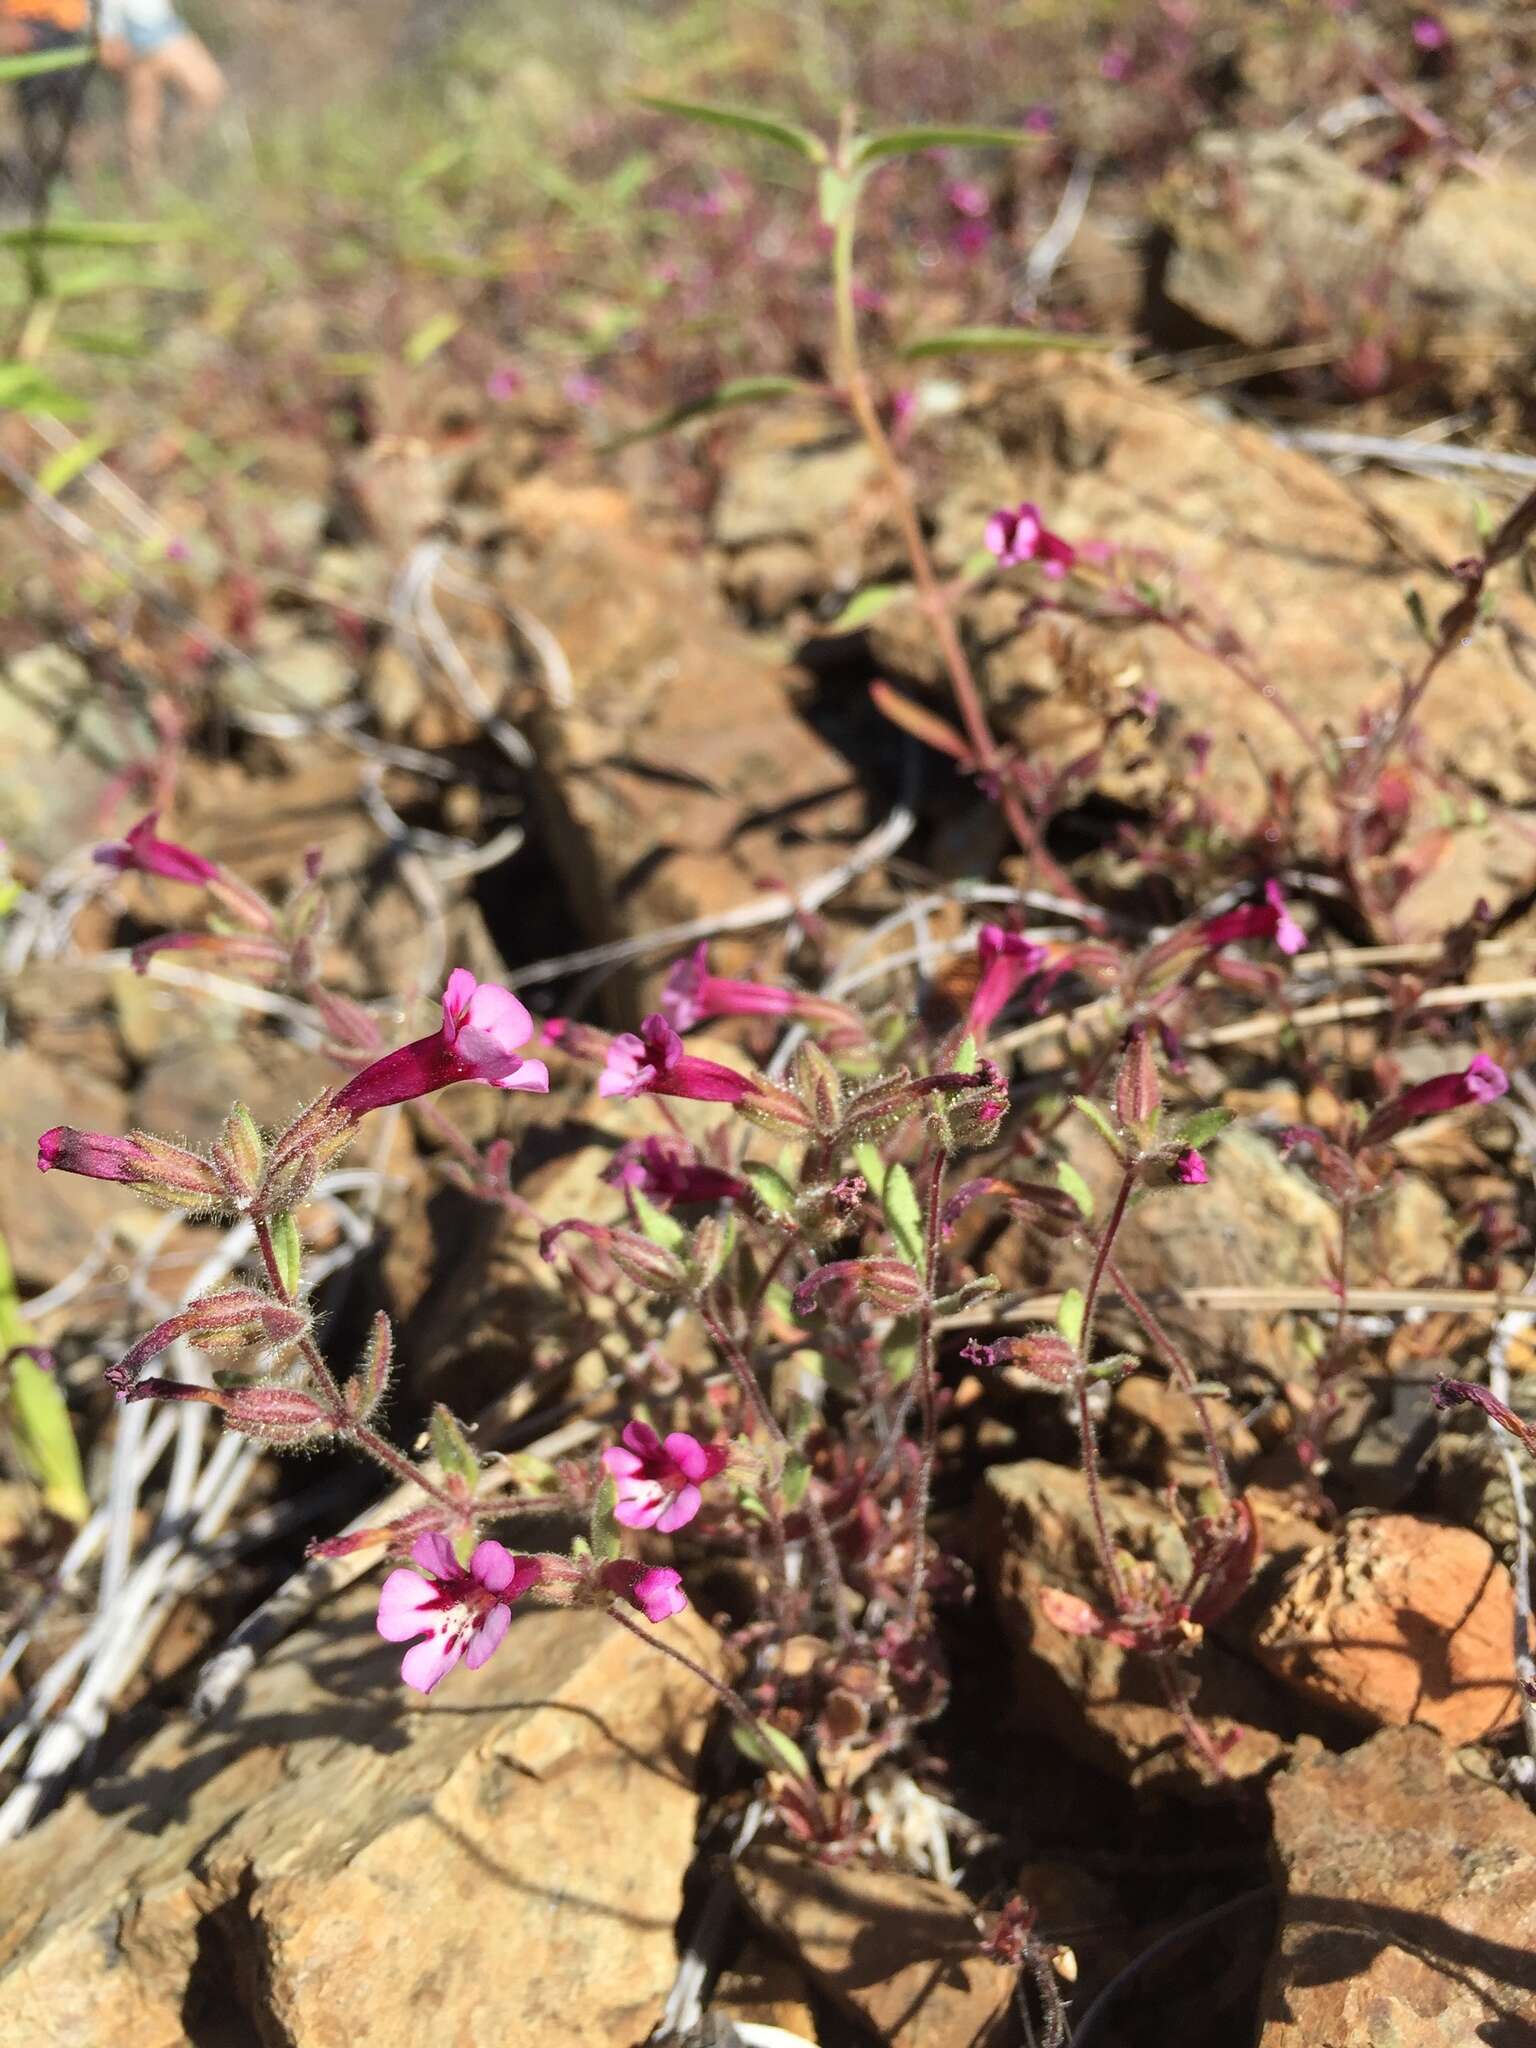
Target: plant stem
point(927, 1391)
point(1087, 1434)
point(731, 1699)
point(821, 1535)
point(931, 594)
point(1182, 1371)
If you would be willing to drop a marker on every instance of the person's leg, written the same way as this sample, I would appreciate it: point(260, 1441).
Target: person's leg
point(190, 69)
point(143, 104)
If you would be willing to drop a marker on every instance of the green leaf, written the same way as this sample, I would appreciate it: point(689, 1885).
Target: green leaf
point(738, 391)
point(1099, 1120)
point(39, 1413)
point(863, 606)
point(1208, 1124)
point(288, 1251)
point(770, 1746)
point(769, 1186)
point(960, 341)
point(903, 1216)
point(965, 1058)
point(96, 234)
point(606, 1541)
point(1071, 1182)
point(656, 1224)
point(430, 337)
point(1069, 1317)
point(37, 62)
point(900, 1354)
point(866, 1157)
point(766, 127)
point(452, 1448)
point(797, 1477)
point(889, 142)
point(57, 475)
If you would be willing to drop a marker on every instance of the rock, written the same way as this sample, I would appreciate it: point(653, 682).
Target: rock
point(1270, 230)
point(1409, 1915)
point(187, 1093)
point(1395, 1620)
point(50, 1221)
point(681, 780)
point(766, 1987)
point(64, 735)
point(807, 490)
point(1104, 1703)
point(899, 1952)
point(339, 1863)
point(1309, 568)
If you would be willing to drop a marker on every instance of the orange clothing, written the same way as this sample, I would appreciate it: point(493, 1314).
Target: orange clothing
point(72, 16)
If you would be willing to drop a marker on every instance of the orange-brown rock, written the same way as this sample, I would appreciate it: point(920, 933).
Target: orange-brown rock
point(1409, 1915)
point(1395, 1621)
point(339, 1863)
point(901, 1953)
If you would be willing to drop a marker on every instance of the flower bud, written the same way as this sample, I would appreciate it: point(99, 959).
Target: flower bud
point(239, 1154)
point(369, 1384)
point(219, 1322)
point(1044, 1354)
point(816, 1082)
point(162, 1172)
point(284, 1416)
point(888, 1284)
point(1138, 1094)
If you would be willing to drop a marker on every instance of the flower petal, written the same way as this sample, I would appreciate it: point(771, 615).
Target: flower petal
point(687, 1454)
point(402, 1598)
point(431, 1661)
point(485, 1640)
point(497, 1013)
point(640, 1438)
point(681, 1510)
point(458, 997)
point(434, 1553)
point(531, 1075)
point(492, 1565)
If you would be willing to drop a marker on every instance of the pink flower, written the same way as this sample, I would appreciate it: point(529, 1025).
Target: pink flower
point(1008, 960)
point(969, 198)
point(1481, 1080)
point(656, 1590)
point(1267, 920)
point(1189, 1168)
point(1115, 63)
point(654, 1063)
point(581, 389)
point(94, 1154)
point(692, 994)
point(669, 1170)
point(503, 383)
point(1019, 534)
point(462, 1613)
point(1430, 34)
point(483, 1025)
point(971, 238)
point(657, 1479)
point(141, 852)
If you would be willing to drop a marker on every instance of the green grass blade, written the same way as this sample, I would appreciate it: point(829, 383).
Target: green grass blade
point(764, 126)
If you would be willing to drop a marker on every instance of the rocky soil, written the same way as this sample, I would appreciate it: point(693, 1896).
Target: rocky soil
point(316, 1857)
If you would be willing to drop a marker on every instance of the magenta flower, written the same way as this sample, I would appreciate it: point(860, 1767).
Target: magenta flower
point(483, 1025)
point(971, 238)
point(669, 1170)
point(655, 1589)
point(503, 383)
point(1430, 34)
point(1189, 1168)
point(1018, 534)
point(654, 1063)
point(462, 1613)
point(692, 994)
point(1008, 960)
point(166, 1172)
point(1269, 919)
point(968, 198)
point(1481, 1080)
point(658, 1479)
point(142, 853)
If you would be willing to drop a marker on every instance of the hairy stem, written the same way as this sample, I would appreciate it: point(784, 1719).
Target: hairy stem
point(930, 590)
point(732, 1700)
point(926, 1390)
point(1183, 1372)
